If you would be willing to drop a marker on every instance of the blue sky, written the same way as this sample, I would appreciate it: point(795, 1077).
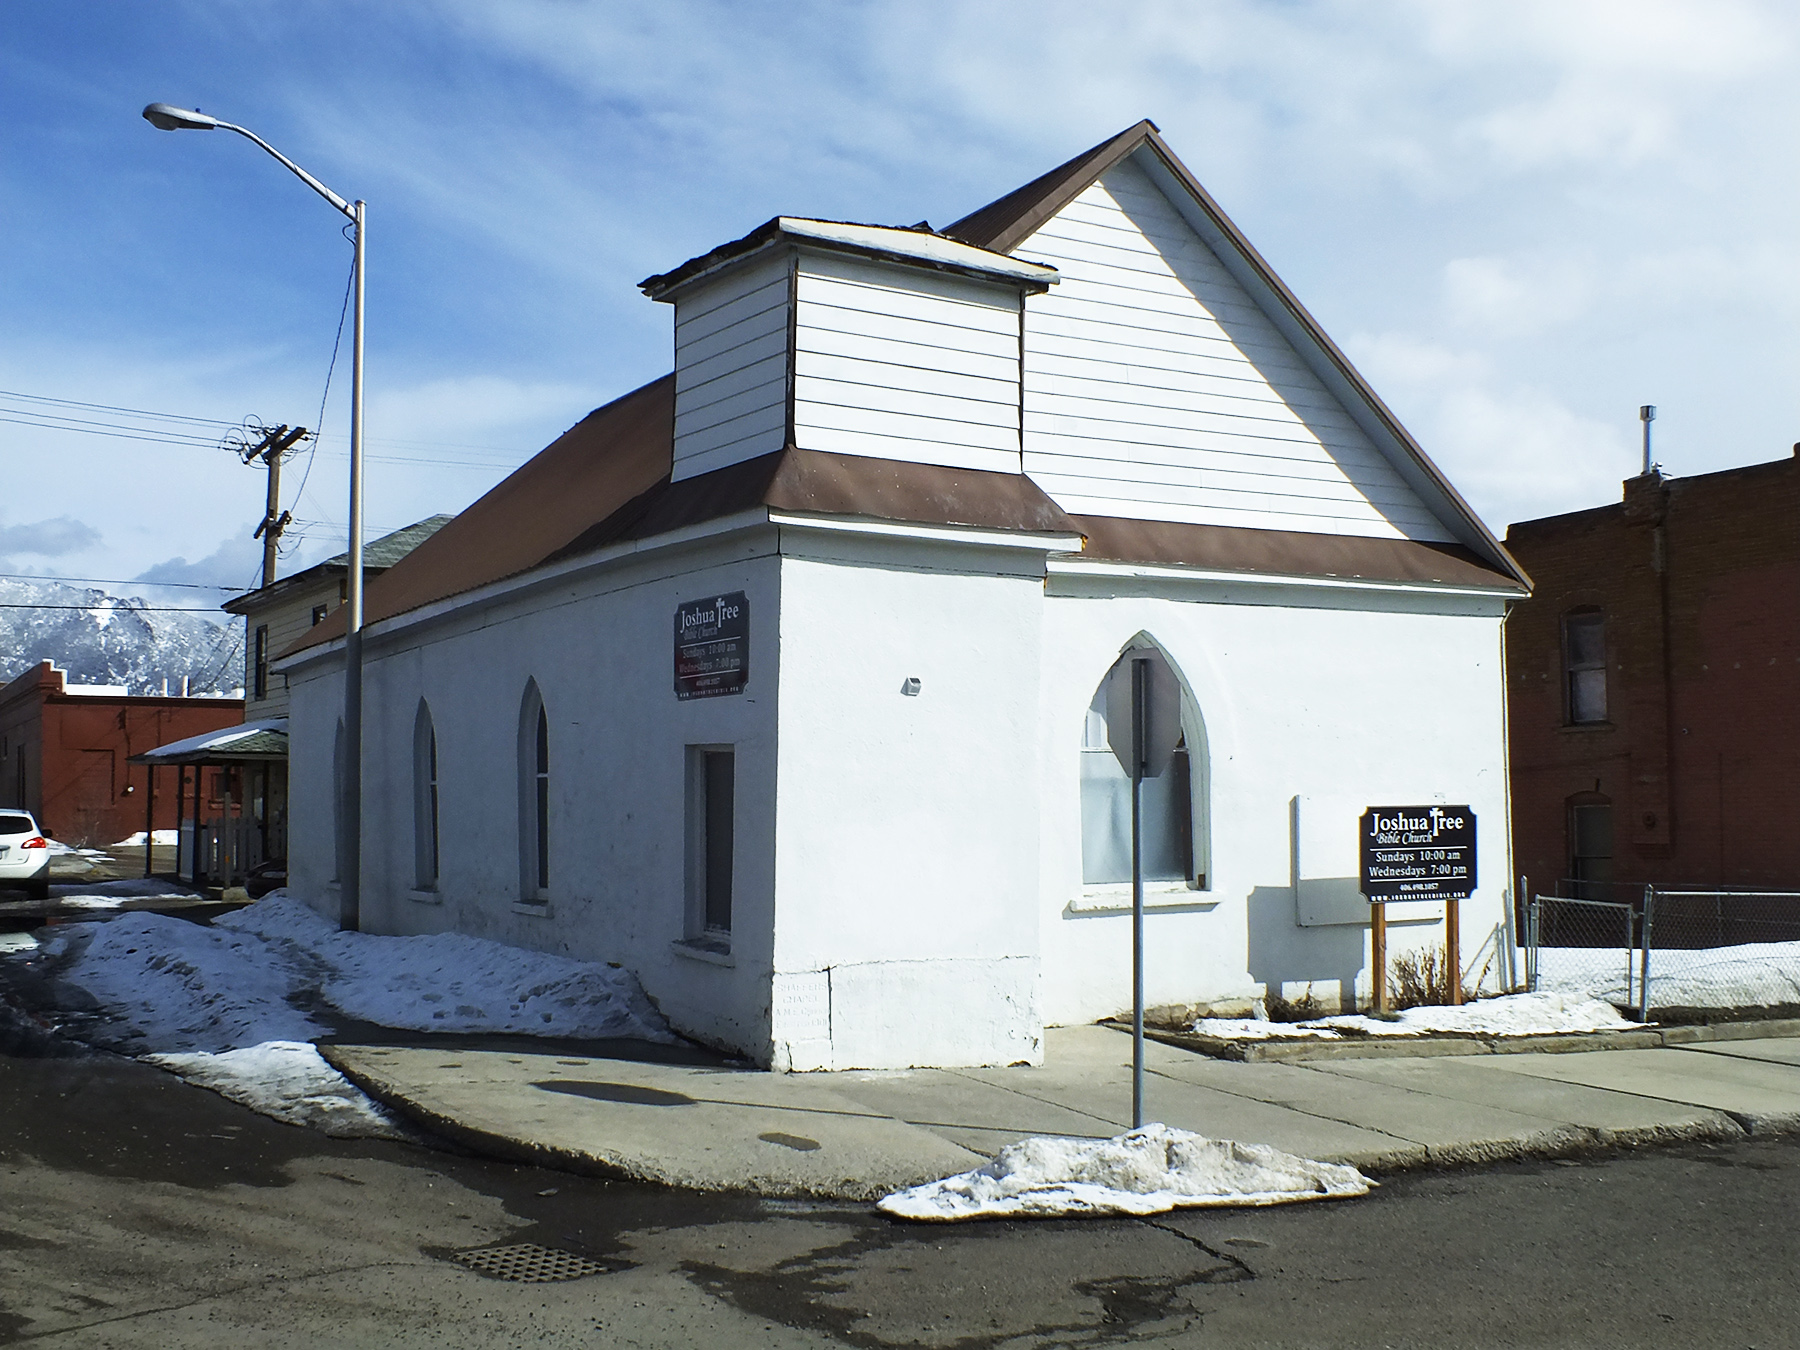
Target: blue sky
point(1521, 220)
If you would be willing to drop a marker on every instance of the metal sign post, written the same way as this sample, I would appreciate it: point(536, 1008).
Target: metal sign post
point(1145, 698)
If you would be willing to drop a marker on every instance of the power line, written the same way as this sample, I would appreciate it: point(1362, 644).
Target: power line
point(118, 581)
point(109, 407)
point(127, 609)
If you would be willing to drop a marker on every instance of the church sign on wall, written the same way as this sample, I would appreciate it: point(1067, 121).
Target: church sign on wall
point(1418, 852)
point(712, 646)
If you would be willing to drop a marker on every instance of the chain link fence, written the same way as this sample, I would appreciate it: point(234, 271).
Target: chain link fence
point(1683, 954)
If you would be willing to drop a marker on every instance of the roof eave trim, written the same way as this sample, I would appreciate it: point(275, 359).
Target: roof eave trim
point(532, 578)
point(1114, 569)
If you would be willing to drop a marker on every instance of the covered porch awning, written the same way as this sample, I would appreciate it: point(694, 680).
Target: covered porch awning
point(251, 743)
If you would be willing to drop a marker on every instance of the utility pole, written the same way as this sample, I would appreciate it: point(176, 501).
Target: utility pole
point(275, 442)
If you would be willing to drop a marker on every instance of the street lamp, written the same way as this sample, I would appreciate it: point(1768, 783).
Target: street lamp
point(167, 118)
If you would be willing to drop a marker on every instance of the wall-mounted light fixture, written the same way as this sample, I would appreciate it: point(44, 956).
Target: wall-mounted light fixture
point(910, 686)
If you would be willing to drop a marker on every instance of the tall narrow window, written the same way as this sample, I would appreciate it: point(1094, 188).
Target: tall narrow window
point(711, 826)
point(1584, 665)
point(721, 787)
point(259, 671)
point(534, 798)
point(541, 780)
point(425, 800)
point(1174, 834)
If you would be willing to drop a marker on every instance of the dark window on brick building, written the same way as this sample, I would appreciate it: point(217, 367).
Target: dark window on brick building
point(1591, 849)
point(1584, 665)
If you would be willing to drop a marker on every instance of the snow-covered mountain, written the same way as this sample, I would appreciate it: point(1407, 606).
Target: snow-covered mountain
point(107, 639)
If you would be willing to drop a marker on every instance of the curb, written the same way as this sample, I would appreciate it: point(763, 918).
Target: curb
point(1427, 1045)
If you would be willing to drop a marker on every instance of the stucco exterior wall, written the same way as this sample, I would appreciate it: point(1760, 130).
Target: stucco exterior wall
point(600, 651)
point(907, 852)
point(1388, 702)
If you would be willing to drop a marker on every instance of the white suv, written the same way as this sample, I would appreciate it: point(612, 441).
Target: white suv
point(24, 853)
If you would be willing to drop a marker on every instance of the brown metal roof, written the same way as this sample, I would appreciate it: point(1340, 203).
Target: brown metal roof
point(585, 475)
point(815, 482)
point(1286, 552)
point(1005, 224)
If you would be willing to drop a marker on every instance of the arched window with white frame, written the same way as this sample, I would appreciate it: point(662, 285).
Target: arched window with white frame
point(534, 798)
point(425, 800)
point(1175, 824)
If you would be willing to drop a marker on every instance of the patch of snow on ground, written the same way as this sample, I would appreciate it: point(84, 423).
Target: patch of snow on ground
point(1539, 1014)
point(124, 888)
point(1258, 1029)
point(290, 1081)
point(1754, 975)
point(17, 942)
point(156, 837)
point(1149, 1170)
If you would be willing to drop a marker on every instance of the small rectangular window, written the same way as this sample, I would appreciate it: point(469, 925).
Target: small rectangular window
point(1584, 667)
point(318, 613)
point(259, 675)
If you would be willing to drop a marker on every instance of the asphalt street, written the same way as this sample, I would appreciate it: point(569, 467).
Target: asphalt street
point(136, 1210)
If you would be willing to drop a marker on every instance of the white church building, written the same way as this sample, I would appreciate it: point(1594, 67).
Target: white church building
point(781, 680)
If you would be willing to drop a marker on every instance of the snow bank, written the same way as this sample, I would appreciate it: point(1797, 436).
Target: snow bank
point(169, 985)
point(290, 1081)
point(1754, 975)
point(156, 837)
point(452, 982)
point(1148, 1171)
point(1540, 1014)
point(224, 1006)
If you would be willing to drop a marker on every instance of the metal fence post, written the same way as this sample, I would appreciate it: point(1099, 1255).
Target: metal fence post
point(1644, 968)
point(1531, 945)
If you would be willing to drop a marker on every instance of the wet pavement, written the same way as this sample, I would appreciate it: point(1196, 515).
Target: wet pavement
point(136, 1210)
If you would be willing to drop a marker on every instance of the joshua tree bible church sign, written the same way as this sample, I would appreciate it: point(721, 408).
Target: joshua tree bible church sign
point(712, 646)
point(1418, 853)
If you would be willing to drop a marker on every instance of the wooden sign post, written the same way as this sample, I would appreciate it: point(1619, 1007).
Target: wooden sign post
point(1378, 953)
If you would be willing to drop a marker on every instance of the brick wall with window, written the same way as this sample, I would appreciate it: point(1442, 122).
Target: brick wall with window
point(1653, 683)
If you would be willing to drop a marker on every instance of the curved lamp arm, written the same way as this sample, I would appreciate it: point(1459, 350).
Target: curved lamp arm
point(165, 117)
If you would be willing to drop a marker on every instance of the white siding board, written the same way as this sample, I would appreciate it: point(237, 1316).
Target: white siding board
point(916, 451)
point(904, 426)
point(878, 397)
point(752, 309)
point(731, 368)
point(903, 304)
point(914, 355)
point(737, 345)
point(1155, 386)
point(758, 376)
point(904, 365)
point(754, 428)
point(742, 404)
point(925, 380)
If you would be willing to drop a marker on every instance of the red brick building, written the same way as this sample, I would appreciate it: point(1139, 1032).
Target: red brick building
point(1653, 683)
point(64, 750)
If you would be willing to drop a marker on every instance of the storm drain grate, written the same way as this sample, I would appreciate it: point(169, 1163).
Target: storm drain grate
point(528, 1263)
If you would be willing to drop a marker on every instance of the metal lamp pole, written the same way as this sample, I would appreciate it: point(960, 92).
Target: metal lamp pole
point(167, 118)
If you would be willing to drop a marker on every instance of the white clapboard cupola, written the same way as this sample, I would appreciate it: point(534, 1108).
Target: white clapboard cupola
point(852, 339)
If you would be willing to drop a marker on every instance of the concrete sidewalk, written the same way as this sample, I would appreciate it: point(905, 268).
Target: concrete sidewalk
point(858, 1135)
